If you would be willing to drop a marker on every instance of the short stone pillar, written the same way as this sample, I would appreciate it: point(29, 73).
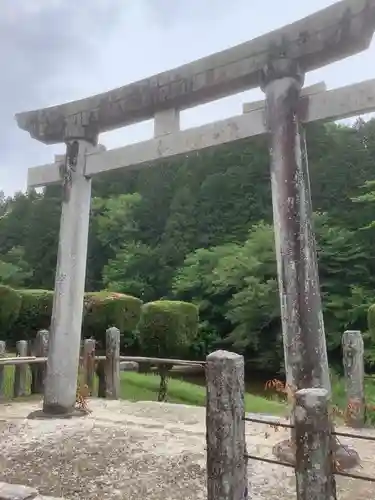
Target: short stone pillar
point(40, 350)
point(2, 371)
point(225, 427)
point(112, 365)
point(20, 372)
point(314, 461)
point(353, 352)
point(100, 372)
point(89, 363)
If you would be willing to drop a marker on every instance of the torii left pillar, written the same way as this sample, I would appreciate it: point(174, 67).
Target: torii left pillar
point(66, 322)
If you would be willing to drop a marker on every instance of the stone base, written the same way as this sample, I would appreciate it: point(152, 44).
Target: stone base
point(20, 492)
point(43, 415)
point(345, 456)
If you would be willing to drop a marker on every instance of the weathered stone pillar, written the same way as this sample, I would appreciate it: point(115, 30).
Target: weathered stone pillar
point(100, 372)
point(89, 363)
point(353, 351)
point(225, 427)
point(40, 350)
point(2, 355)
point(112, 364)
point(65, 333)
point(20, 371)
point(314, 462)
point(305, 351)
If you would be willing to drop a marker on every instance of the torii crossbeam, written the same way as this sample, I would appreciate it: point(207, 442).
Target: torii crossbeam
point(277, 62)
point(316, 104)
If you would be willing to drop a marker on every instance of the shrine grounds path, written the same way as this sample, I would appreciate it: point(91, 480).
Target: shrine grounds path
point(139, 450)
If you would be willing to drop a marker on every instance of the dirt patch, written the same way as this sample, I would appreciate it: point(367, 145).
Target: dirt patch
point(133, 450)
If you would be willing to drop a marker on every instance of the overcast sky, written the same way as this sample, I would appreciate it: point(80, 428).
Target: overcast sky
point(54, 51)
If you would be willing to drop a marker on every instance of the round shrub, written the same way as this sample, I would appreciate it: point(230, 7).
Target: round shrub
point(101, 311)
point(105, 309)
point(167, 328)
point(35, 314)
point(10, 303)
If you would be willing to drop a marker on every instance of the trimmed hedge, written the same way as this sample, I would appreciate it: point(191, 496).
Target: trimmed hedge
point(33, 312)
point(167, 328)
point(10, 303)
point(371, 320)
point(106, 309)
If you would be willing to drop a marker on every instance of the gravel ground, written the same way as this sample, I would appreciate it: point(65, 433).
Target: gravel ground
point(132, 450)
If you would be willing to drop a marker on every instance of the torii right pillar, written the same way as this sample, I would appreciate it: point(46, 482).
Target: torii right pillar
point(305, 352)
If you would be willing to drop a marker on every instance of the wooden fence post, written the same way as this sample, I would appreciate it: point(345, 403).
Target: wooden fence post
point(2, 372)
point(40, 350)
point(20, 372)
point(314, 461)
point(225, 427)
point(89, 363)
point(112, 365)
point(353, 351)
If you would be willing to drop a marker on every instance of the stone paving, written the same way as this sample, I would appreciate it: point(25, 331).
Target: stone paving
point(138, 450)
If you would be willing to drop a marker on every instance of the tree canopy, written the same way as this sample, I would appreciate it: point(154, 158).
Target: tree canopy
point(199, 229)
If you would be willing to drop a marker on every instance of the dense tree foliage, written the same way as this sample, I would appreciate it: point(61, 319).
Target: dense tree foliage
point(199, 229)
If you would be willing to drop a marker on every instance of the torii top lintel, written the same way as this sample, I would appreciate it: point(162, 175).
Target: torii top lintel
point(341, 30)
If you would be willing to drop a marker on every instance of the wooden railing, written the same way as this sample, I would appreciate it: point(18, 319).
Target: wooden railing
point(29, 360)
point(101, 374)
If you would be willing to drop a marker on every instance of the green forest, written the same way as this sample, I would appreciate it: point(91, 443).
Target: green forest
point(199, 229)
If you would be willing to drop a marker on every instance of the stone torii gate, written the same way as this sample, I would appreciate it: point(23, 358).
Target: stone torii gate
point(277, 62)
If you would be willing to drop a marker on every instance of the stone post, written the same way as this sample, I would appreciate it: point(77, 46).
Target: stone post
point(20, 372)
point(40, 350)
point(2, 371)
point(314, 461)
point(353, 351)
point(89, 363)
point(112, 366)
point(225, 427)
point(65, 334)
point(100, 372)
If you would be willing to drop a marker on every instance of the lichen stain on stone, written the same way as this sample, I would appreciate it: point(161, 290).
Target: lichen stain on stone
point(300, 413)
point(313, 400)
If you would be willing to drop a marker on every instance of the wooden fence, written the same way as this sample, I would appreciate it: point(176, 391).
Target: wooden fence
point(314, 439)
point(101, 374)
point(227, 457)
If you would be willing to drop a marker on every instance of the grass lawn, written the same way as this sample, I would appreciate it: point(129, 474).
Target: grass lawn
point(9, 381)
point(339, 396)
point(145, 387)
